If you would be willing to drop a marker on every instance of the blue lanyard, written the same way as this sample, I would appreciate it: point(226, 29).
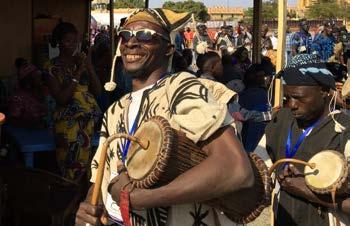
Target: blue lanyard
point(134, 125)
point(291, 153)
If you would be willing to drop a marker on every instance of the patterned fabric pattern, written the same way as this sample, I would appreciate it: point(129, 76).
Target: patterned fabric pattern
point(188, 105)
point(301, 39)
point(289, 41)
point(323, 46)
point(303, 59)
point(74, 125)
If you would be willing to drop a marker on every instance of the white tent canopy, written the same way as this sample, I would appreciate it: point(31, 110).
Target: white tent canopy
point(103, 18)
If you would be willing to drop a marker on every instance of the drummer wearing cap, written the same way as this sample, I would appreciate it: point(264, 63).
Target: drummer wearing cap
point(305, 128)
point(146, 49)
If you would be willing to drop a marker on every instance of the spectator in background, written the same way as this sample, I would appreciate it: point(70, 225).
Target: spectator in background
point(101, 59)
point(219, 34)
point(274, 40)
point(271, 53)
point(232, 75)
point(265, 39)
point(74, 85)
point(27, 106)
point(254, 98)
point(225, 42)
point(179, 63)
point(345, 40)
point(180, 40)
point(202, 41)
point(189, 35)
point(240, 58)
point(211, 68)
point(188, 56)
point(323, 44)
point(301, 41)
point(289, 35)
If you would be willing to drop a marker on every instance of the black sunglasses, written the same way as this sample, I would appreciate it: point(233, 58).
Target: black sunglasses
point(142, 35)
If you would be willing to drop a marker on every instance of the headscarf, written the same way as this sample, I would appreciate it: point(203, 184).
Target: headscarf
point(307, 70)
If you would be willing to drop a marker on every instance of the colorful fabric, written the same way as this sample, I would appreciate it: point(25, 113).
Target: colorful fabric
point(302, 42)
point(191, 107)
point(323, 46)
point(74, 124)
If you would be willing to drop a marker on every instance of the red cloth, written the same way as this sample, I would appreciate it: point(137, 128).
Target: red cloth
point(125, 207)
point(189, 35)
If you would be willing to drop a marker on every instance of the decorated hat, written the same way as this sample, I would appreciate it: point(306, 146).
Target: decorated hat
point(307, 70)
point(165, 18)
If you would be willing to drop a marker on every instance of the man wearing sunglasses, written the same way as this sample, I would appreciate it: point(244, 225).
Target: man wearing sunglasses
point(146, 50)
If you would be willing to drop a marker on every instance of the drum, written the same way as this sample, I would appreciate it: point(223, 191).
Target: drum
point(330, 173)
point(170, 153)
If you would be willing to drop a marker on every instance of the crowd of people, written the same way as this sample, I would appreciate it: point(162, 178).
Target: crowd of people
point(212, 92)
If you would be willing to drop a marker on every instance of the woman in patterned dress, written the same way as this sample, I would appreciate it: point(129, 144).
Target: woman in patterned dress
point(74, 85)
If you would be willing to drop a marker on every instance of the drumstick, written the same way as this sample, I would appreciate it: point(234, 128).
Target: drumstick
point(289, 160)
point(101, 164)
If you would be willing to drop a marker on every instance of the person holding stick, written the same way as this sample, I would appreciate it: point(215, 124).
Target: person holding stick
point(146, 49)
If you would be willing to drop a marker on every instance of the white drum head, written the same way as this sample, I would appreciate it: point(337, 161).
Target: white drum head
point(330, 169)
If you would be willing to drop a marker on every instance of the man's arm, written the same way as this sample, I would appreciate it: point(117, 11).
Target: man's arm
point(226, 169)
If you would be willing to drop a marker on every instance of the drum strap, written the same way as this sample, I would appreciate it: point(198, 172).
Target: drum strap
point(134, 125)
point(290, 153)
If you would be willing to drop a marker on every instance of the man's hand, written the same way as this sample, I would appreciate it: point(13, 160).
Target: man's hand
point(293, 182)
point(120, 182)
point(89, 214)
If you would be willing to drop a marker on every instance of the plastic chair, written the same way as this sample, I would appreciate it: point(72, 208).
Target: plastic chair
point(39, 193)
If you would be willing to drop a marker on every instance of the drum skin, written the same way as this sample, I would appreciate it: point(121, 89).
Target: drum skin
point(171, 153)
point(331, 170)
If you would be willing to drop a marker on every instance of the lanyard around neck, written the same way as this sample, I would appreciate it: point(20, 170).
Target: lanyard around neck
point(290, 153)
point(134, 125)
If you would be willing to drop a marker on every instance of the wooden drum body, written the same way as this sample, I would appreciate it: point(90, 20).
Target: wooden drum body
point(170, 153)
point(330, 173)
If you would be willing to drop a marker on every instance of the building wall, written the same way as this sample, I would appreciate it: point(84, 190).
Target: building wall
point(73, 11)
point(16, 35)
point(16, 20)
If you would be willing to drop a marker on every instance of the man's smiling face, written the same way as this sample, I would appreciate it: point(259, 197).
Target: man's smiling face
point(141, 57)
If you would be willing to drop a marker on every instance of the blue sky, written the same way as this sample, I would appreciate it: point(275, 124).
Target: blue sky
point(208, 3)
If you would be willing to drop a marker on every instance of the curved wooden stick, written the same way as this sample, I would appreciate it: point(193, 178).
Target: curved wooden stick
point(290, 160)
point(144, 144)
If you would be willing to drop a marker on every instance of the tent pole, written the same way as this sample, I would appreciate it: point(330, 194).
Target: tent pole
point(111, 25)
point(257, 9)
point(282, 24)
